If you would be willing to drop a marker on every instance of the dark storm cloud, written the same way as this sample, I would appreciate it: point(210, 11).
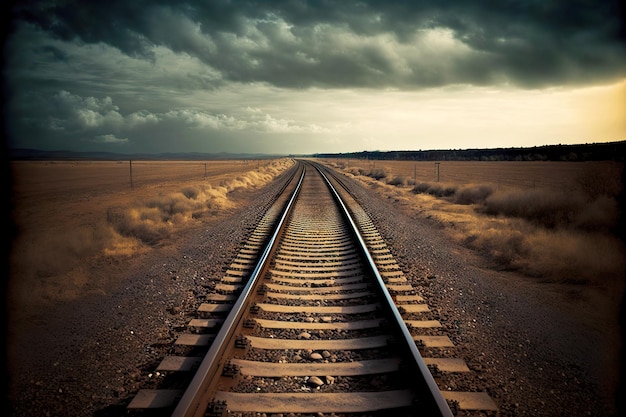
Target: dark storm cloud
point(358, 43)
point(64, 120)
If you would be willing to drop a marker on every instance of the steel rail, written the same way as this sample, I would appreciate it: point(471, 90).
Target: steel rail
point(440, 401)
point(193, 398)
point(197, 396)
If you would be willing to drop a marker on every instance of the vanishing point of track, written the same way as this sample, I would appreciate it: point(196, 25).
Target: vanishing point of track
point(313, 316)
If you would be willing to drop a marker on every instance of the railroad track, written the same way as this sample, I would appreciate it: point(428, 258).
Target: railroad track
point(313, 316)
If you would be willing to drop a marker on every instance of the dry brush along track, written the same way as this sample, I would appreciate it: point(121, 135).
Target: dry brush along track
point(313, 316)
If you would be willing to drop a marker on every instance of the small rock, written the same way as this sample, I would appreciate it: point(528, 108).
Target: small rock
point(304, 335)
point(316, 356)
point(326, 354)
point(315, 382)
point(330, 380)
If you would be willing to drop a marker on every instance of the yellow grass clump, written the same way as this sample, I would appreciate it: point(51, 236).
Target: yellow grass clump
point(151, 221)
point(72, 216)
point(562, 231)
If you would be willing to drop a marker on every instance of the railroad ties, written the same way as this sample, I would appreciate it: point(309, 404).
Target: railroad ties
point(210, 316)
point(318, 336)
point(428, 333)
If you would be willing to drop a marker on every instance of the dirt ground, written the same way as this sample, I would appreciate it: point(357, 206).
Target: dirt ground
point(538, 349)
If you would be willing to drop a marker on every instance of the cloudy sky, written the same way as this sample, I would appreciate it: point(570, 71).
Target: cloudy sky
point(300, 76)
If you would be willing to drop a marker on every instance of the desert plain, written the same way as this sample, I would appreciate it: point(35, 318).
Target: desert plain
point(527, 260)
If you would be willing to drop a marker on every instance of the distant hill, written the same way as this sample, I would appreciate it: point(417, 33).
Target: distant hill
point(610, 151)
point(41, 155)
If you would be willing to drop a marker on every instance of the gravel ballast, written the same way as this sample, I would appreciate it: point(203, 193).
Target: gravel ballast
point(538, 349)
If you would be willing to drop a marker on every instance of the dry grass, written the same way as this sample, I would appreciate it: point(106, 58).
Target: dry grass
point(553, 220)
point(73, 215)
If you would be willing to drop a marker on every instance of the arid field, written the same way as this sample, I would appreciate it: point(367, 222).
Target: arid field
point(550, 220)
point(525, 275)
point(66, 212)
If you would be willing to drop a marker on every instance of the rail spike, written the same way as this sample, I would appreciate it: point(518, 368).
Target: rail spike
point(217, 409)
point(231, 370)
point(242, 342)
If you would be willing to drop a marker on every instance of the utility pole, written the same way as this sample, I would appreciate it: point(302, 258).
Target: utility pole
point(437, 169)
point(131, 174)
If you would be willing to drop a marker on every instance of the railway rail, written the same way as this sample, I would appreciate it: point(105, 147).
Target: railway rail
point(314, 315)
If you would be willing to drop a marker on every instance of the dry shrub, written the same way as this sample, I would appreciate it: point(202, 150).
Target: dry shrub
point(557, 255)
point(436, 189)
point(122, 246)
point(144, 223)
point(503, 246)
point(556, 235)
point(421, 188)
point(57, 263)
point(190, 192)
point(167, 206)
point(376, 173)
point(472, 194)
point(554, 209)
point(215, 198)
point(354, 171)
point(563, 237)
point(539, 206)
point(398, 180)
point(154, 220)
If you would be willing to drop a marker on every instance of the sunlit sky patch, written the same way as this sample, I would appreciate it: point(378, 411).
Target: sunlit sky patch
point(313, 76)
